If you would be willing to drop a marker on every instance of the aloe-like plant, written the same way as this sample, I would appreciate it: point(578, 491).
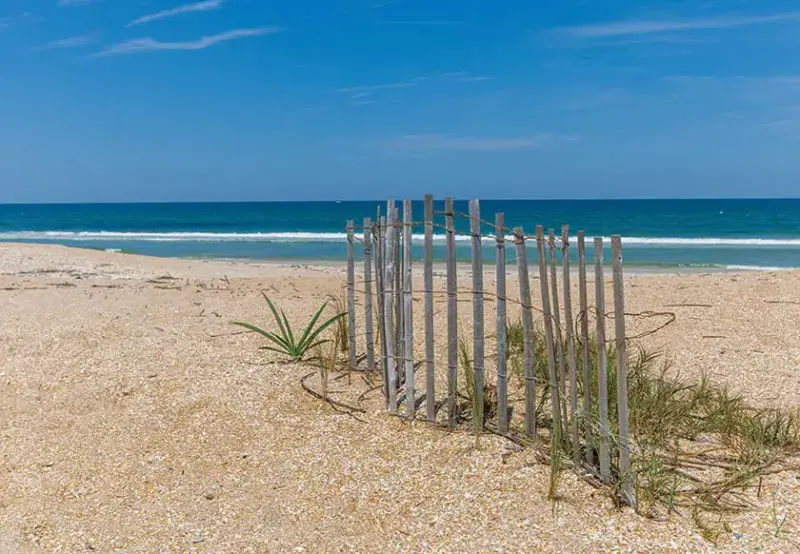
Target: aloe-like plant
point(285, 342)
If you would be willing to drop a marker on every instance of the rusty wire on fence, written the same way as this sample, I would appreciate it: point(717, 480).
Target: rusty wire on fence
point(647, 314)
point(413, 224)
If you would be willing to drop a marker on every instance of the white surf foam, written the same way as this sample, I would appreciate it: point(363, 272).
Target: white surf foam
point(342, 237)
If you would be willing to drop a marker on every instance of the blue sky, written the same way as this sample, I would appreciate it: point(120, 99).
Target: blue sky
point(160, 100)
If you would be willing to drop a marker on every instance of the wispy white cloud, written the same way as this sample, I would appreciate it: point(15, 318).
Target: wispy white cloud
point(385, 3)
point(204, 6)
point(470, 143)
point(387, 86)
point(75, 2)
point(464, 77)
point(151, 45)
point(69, 42)
point(474, 79)
point(633, 27)
point(5, 22)
point(431, 23)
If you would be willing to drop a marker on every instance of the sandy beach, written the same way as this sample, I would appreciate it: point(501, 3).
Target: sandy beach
point(135, 420)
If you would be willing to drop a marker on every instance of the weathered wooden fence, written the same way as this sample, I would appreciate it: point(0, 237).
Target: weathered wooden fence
point(577, 373)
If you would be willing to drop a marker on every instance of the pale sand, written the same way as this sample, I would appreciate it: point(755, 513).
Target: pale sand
point(133, 421)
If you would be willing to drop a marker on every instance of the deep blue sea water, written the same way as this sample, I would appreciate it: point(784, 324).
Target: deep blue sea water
point(686, 233)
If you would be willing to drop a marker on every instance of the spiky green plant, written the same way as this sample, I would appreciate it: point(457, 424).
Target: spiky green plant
point(285, 342)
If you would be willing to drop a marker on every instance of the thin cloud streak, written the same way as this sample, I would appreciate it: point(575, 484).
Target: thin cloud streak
point(75, 2)
point(469, 143)
point(70, 42)
point(475, 79)
point(151, 45)
point(204, 6)
point(433, 23)
point(633, 27)
point(388, 86)
point(5, 22)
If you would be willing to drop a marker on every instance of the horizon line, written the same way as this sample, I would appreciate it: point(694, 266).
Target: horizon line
point(400, 200)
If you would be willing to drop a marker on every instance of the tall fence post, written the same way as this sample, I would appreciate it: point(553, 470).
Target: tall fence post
point(452, 314)
point(570, 338)
point(477, 311)
point(408, 321)
point(351, 296)
point(368, 330)
point(389, 313)
point(558, 341)
point(502, 347)
point(622, 371)
point(380, 270)
point(398, 301)
point(528, 362)
point(555, 396)
point(585, 363)
point(602, 375)
point(430, 375)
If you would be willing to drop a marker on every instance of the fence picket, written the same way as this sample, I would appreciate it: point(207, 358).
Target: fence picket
point(452, 315)
point(389, 312)
point(477, 313)
point(380, 270)
point(430, 375)
point(528, 362)
point(555, 396)
point(572, 368)
point(408, 321)
point(602, 375)
point(351, 297)
point(502, 359)
point(558, 342)
point(622, 371)
point(368, 330)
point(584, 317)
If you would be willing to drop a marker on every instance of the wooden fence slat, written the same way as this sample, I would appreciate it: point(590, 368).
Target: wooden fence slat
point(380, 269)
point(622, 371)
point(477, 312)
point(585, 362)
point(368, 330)
point(398, 299)
point(528, 361)
point(558, 341)
point(602, 376)
point(502, 347)
point(389, 312)
point(408, 322)
point(351, 296)
point(555, 397)
point(452, 315)
point(430, 375)
point(572, 365)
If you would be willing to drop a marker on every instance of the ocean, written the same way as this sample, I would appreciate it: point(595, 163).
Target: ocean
point(727, 234)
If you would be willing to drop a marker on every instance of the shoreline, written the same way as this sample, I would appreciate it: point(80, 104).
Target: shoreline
point(632, 269)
